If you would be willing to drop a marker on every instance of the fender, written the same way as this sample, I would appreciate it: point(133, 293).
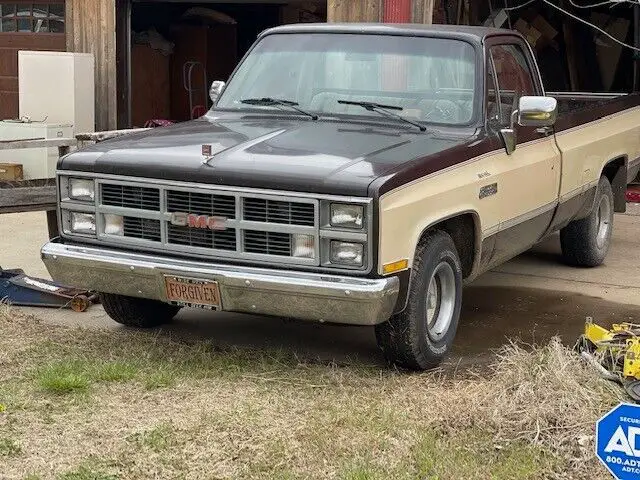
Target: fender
point(455, 225)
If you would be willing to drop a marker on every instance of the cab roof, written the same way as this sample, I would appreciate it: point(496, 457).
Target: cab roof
point(461, 32)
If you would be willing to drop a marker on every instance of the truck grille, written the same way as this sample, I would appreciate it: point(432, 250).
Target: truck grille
point(271, 243)
point(201, 203)
point(255, 226)
point(221, 240)
point(142, 228)
point(276, 211)
point(141, 198)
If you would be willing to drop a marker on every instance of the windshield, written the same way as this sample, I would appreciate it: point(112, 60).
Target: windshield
point(431, 79)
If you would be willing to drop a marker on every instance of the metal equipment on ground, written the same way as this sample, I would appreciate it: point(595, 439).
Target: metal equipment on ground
point(16, 288)
point(614, 352)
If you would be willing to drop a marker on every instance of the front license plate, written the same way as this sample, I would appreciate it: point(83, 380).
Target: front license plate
point(189, 292)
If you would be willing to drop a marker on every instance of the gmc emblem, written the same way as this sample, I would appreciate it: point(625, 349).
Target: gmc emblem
point(192, 220)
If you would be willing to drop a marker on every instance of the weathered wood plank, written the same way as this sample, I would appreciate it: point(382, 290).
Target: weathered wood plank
point(91, 27)
point(354, 10)
point(36, 207)
point(37, 143)
point(17, 199)
point(101, 136)
point(423, 11)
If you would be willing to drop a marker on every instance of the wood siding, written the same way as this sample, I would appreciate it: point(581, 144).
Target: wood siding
point(354, 10)
point(91, 28)
point(420, 11)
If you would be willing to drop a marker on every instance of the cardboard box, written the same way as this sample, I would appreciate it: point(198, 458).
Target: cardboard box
point(497, 20)
point(545, 29)
point(11, 171)
point(538, 33)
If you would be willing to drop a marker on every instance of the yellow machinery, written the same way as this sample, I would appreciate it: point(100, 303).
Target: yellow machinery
point(615, 353)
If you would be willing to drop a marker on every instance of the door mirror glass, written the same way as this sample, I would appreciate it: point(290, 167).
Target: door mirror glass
point(216, 90)
point(537, 111)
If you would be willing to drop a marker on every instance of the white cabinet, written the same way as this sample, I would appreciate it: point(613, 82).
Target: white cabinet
point(58, 86)
point(36, 162)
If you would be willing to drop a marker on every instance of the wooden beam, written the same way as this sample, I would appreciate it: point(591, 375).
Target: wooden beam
point(25, 199)
point(101, 136)
point(91, 28)
point(354, 10)
point(423, 11)
point(37, 143)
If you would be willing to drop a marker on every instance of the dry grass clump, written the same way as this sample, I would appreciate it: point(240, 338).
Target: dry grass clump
point(90, 404)
point(547, 396)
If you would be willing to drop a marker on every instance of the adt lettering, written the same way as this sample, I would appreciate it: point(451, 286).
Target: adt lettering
point(622, 443)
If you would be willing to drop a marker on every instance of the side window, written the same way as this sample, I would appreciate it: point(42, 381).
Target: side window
point(493, 105)
point(513, 78)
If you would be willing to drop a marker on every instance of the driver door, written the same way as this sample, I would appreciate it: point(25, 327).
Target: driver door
point(529, 178)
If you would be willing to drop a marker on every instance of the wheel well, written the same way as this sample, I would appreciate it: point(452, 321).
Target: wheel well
point(462, 229)
point(616, 172)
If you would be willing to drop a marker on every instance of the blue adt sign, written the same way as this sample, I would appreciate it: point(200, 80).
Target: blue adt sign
point(618, 441)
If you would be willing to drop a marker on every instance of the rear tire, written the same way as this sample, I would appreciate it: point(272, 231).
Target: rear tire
point(586, 242)
point(421, 336)
point(137, 312)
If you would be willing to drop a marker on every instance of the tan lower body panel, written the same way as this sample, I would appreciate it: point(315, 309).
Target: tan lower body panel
point(526, 182)
point(586, 149)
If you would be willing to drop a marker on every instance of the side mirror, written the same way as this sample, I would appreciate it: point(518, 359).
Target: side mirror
point(537, 111)
point(531, 112)
point(216, 90)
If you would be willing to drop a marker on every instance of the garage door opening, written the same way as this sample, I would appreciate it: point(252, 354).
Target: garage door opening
point(178, 49)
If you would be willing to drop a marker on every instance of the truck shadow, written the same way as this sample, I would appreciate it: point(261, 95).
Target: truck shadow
point(491, 317)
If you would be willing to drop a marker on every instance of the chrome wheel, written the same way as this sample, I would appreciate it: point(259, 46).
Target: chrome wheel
point(603, 221)
point(440, 301)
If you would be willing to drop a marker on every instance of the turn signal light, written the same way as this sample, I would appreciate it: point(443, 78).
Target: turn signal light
point(395, 266)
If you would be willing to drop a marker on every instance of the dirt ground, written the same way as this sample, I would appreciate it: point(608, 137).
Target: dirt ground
point(533, 298)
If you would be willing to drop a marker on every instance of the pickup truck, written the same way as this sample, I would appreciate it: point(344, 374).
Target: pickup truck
point(354, 174)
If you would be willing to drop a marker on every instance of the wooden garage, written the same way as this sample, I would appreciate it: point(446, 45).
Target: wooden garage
point(579, 47)
point(26, 25)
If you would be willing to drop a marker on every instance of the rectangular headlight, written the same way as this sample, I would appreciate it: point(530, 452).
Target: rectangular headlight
point(82, 223)
point(82, 189)
point(347, 216)
point(346, 253)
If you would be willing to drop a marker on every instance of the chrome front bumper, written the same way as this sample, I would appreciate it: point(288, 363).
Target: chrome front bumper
point(307, 296)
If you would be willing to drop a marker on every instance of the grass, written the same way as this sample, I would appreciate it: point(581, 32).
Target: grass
point(9, 447)
point(84, 472)
point(161, 408)
point(156, 439)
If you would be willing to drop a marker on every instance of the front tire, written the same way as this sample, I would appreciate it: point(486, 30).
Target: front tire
point(421, 336)
point(137, 312)
point(586, 242)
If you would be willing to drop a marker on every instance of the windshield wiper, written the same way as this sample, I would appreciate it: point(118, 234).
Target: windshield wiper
point(266, 102)
point(384, 110)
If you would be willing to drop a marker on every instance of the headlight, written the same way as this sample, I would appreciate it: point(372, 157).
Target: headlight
point(113, 224)
point(303, 246)
point(83, 223)
point(82, 189)
point(347, 216)
point(346, 253)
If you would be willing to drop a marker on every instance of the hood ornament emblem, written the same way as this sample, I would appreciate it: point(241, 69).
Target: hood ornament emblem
point(207, 154)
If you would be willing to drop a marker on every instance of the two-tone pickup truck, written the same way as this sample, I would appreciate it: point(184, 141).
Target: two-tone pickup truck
point(355, 174)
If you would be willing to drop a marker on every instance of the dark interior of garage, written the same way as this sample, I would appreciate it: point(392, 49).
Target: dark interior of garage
point(178, 49)
point(580, 46)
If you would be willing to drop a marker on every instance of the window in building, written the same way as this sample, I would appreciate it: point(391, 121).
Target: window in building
point(31, 17)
